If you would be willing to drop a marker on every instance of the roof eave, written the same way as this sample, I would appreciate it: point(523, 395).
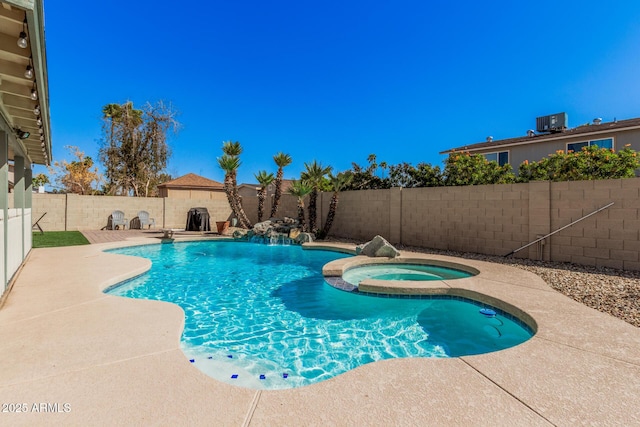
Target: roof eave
point(534, 139)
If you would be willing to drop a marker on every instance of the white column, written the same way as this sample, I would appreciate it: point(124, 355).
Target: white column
point(4, 206)
point(28, 186)
point(18, 194)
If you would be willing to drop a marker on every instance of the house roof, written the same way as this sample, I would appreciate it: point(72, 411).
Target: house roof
point(191, 180)
point(584, 130)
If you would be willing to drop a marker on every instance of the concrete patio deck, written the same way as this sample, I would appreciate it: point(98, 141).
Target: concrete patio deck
point(72, 355)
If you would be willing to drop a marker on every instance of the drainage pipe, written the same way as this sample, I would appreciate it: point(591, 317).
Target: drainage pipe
point(559, 229)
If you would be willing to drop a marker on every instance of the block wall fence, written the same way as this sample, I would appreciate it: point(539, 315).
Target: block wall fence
point(486, 219)
point(74, 212)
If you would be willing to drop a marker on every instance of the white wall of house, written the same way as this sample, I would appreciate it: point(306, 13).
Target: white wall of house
point(15, 214)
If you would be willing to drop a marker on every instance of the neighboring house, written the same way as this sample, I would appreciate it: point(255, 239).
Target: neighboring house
point(192, 186)
point(550, 139)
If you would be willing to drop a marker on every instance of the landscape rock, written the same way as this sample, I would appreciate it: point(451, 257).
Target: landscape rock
point(294, 232)
point(262, 228)
point(240, 235)
point(304, 237)
point(377, 247)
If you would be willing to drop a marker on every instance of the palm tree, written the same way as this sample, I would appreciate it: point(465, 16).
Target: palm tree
point(264, 179)
point(300, 189)
point(230, 162)
point(281, 160)
point(338, 183)
point(313, 175)
point(230, 165)
point(232, 148)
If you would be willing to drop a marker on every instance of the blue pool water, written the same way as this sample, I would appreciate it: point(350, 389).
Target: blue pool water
point(261, 316)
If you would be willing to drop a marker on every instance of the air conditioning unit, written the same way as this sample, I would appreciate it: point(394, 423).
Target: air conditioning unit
point(552, 123)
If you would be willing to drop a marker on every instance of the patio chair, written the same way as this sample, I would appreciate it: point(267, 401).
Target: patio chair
point(117, 218)
point(143, 216)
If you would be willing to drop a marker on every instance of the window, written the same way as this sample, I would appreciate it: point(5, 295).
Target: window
point(501, 157)
point(602, 143)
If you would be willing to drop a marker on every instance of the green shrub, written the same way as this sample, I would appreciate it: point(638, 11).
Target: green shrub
point(475, 169)
point(589, 163)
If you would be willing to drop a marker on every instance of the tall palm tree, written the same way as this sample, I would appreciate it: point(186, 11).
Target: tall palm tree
point(230, 162)
point(338, 183)
point(281, 160)
point(314, 174)
point(300, 189)
point(231, 148)
point(264, 179)
point(230, 166)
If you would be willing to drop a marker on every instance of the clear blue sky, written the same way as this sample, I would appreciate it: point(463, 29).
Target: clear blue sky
point(338, 80)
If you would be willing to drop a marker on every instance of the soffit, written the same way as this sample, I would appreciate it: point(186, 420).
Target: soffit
point(16, 105)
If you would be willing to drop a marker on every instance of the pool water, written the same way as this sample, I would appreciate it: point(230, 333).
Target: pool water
point(402, 272)
point(262, 316)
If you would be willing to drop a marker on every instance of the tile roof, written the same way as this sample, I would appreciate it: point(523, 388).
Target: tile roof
point(191, 180)
point(580, 130)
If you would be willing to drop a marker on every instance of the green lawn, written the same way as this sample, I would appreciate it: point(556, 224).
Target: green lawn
point(52, 239)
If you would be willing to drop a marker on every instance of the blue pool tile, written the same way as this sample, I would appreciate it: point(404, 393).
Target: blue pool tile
point(210, 357)
point(262, 377)
point(285, 375)
point(234, 376)
point(192, 360)
point(230, 356)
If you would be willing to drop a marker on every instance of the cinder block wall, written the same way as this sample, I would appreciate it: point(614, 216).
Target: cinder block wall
point(488, 219)
point(76, 212)
point(175, 211)
point(497, 219)
point(360, 214)
point(609, 238)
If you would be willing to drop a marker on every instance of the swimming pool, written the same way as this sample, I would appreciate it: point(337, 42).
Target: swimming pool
point(262, 316)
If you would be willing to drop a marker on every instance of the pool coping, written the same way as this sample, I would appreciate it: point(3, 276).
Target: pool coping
point(118, 361)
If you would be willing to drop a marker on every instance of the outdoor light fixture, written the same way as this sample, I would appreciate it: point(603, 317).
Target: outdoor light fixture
point(36, 110)
point(34, 92)
point(42, 139)
point(28, 72)
point(41, 131)
point(22, 134)
point(39, 121)
point(22, 40)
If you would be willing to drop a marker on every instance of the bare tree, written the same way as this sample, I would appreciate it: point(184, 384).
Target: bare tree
point(134, 147)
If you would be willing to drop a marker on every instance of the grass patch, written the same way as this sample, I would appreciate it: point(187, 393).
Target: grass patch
point(52, 239)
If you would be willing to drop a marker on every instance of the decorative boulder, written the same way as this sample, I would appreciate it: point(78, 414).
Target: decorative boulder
point(240, 235)
point(261, 228)
point(377, 247)
point(294, 232)
point(304, 237)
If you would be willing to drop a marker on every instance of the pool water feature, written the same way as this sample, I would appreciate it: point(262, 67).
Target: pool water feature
point(262, 316)
point(397, 271)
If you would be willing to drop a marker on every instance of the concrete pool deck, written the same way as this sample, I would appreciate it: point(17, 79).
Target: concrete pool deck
point(72, 355)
